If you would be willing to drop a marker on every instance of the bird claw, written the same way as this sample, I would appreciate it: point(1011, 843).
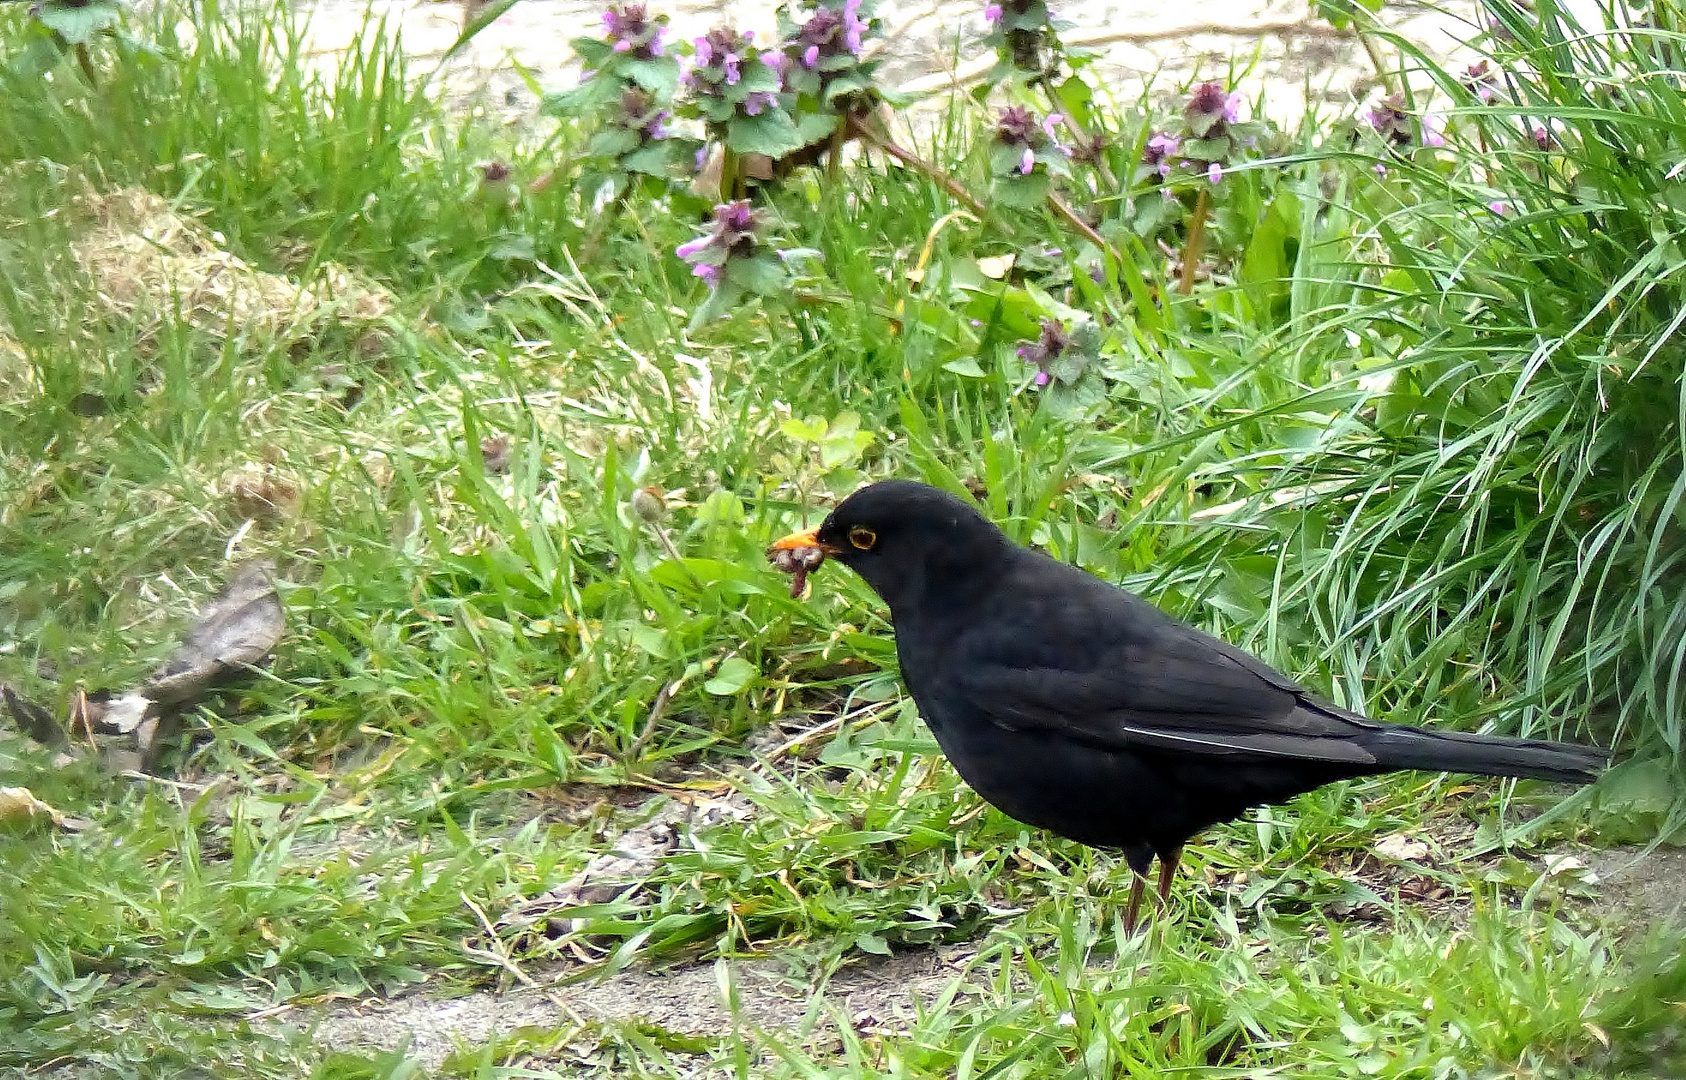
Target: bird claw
point(797, 562)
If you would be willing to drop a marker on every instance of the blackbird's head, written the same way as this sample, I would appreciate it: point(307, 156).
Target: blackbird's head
point(908, 539)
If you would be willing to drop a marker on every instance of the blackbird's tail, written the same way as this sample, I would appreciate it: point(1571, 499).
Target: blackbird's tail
point(1486, 755)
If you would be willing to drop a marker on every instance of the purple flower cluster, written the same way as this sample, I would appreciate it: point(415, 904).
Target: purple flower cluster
point(1016, 127)
point(1210, 108)
point(732, 237)
point(722, 50)
point(1482, 81)
point(830, 32)
point(638, 111)
point(1208, 114)
point(631, 30)
point(1390, 120)
point(1045, 350)
point(1157, 154)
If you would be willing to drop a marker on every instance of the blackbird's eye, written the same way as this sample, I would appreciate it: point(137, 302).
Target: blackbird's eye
point(862, 537)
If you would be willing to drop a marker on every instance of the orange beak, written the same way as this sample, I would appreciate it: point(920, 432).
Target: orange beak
point(809, 539)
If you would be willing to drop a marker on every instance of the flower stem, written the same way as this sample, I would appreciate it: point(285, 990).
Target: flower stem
point(918, 164)
point(86, 62)
point(1375, 52)
point(1063, 208)
point(730, 181)
point(1196, 241)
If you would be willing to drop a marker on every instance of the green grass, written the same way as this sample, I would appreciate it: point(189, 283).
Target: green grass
point(1488, 410)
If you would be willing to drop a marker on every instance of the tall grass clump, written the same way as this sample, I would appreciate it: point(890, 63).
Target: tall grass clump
point(1494, 517)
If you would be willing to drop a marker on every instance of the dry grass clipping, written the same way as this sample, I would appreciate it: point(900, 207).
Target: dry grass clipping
point(146, 260)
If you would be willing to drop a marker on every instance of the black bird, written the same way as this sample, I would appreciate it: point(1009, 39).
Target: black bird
point(1077, 707)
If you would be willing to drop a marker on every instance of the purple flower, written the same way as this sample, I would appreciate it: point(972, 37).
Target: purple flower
point(1542, 137)
point(854, 27)
point(776, 61)
point(1499, 207)
point(810, 56)
point(732, 236)
point(638, 112)
point(1232, 107)
point(1381, 170)
point(737, 217)
point(992, 12)
point(702, 156)
point(1016, 128)
point(1208, 99)
point(1047, 348)
point(1482, 81)
point(1015, 125)
point(1160, 148)
point(1391, 121)
point(1050, 122)
point(720, 55)
point(1214, 172)
point(630, 29)
point(759, 100)
point(1434, 130)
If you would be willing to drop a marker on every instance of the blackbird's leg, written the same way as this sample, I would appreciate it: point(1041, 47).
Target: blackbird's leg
point(1138, 888)
point(1167, 871)
point(1140, 858)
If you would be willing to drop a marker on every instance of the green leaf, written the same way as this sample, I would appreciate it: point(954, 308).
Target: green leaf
point(811, 430)
point(756, 78)
point(652, 639)
point(1073, 401)
point(811, 127)
point(763, 274)
point(1205, 149)
point(593, 52)
point(655, 159)
point(1021, 191)
point(846, 84)
point(845, 423)
point(613, 142)
point(716, 305)
point(771, 133)
point(1004, 158)
point(659, 77)
point(967, 366)
point(584, 100)
point(731, 677)
point(78, 25)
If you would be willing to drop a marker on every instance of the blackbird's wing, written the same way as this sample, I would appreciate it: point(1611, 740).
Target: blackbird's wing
point(1080, 658)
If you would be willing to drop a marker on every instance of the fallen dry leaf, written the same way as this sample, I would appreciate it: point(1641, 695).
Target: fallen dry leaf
point(1401, 848)
point(19, 804)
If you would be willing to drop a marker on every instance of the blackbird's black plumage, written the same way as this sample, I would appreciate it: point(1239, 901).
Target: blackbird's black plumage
point(1073, 705)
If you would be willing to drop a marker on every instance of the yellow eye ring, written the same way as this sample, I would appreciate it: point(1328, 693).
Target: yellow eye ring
point(862, 537)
